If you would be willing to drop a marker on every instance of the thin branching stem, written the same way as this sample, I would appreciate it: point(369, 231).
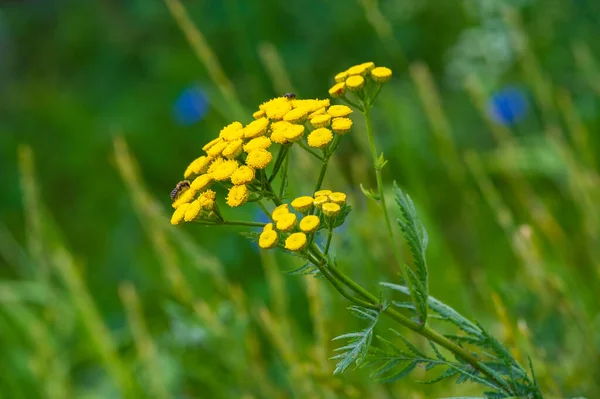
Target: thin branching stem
point(307, 149)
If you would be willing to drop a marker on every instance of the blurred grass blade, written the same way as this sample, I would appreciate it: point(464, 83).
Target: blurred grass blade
point(275, 67)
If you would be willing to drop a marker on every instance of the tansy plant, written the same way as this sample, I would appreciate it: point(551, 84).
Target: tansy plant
point(242, 159)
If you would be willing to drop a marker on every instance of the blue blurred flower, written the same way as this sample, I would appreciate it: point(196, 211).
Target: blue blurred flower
point(191, 106)
point(508, 106)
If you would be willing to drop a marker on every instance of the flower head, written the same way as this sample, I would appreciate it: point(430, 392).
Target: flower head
point(360, 69)
point(297, 115)
point(310, 223)
point(280, 211)
point(320, 120)
point(267, 239)
point(331, 209)
point(256, 128)
point(286, 222)
point(337, 90)
point(295, 242)
point(238, 195)
point(341, 77)
point(217, 149)
point(259, 114)
point(207, 199)
point(185, 198)
point(258, 158)
point(233, 149)
point(259, 142)
point(341, 125)
point(294, 133)
point(198, 166)
point(355, 83)
point(339, 110)
point(243, 175)
point(211, 143)
point(192, 211)
point(320, 137)
point(178, 214)
point(320, 200)
point(225, 170)
point(337, 198)
point(278, 129)
point(322, 192)
point(302, 204)
point(381, 74)
point(279, 110)
point(201, 182)
point(232, 132)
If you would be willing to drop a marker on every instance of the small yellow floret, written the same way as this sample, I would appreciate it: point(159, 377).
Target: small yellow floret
point(259, 114)
point(320, 111)
point(217, 149)
point(233, 149)
point(322, 192)
point(337, 198)
point(337, 90)
point(294, 133)
point(256, 128)
point(215, 164)
point(277, 132)
point(381, 74)
point(259, 158)
point(225, 170)
point(259, 142)
point(178, 214)
point(341, 125)
point(295, 242)
point(360, 69)
point(243, 175)
point(331, 209)
point(355, 83)
point(320, 137)
point(339, 110)
point(268, 226)
point(211, 143)
point(267, 239)
point(286, 222)
point(201, 182)
point(273, 103)
point(310, 223)
point(231, 131)
point(280, 211)
point(302, 204)
point(277, 112)
point(185, 198)
point(207, 199)
point(320, 120)
point(297, 115)
point(320, 200)
point(192, 211)
point(341, 77)
point(238, 195)
point(198, 166)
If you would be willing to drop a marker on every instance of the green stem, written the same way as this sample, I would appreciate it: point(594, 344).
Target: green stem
point(307, 149)
point(322, 174)
point(281, 155)
point(329, 235)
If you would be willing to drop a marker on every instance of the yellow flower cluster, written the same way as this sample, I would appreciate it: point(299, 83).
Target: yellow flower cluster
point(330, 203)
point(354, 78)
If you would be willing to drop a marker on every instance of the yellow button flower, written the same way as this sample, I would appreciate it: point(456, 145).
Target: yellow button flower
point(184, 198)
point(381, 74)
point(192, 211)
point(311, 105)
point(322, 192)
point(302, 204)
point(286, 222)
point(320, 111)
point(215, 164)
point(297, 115)
point(198, 166)
point(337, 90)
point(272, 103)
point(320, 121)
point(320, 137)
point(280, 211)
point(277, 112)
point(341, 125)
point(310, 223)
point(238, 195)
point(256, 128)
point(178, 214)
point(341, 77)
point(207, 199)
point(355, 83)
point(201, 182)
point(211, 143)
point(278, 137)
point(360, 69)
point(267, 239)
point(233, 149)
point(269, 226)
point(259, 142)
point(259, 114)
point(231, 132)
point(331, 209)
point(295, 242)
point(294, 133)
point(243, 175)
point(217, 149)
point(320, 200)
point(339, 110)
point(337, 198)
point(259, 158)
point(225, 170)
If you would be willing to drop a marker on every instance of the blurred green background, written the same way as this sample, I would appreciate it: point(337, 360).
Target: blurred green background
point(490, 123)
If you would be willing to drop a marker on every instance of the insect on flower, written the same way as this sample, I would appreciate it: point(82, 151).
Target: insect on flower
point(290, 96)
point(180, 187)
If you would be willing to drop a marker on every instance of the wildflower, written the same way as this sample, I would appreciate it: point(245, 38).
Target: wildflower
point(320, 111)
point(320, 137)
point(217, 149)
point(297, 115)
point(286, 222)
point(277, 112)
point(225, 170)
point(198, 166)
point(337, 198)
point(355, 83)
point(231, 132)
point(233, 149)
point(272, 103)
point(508, 106)
point(320, 121)
point(360, 69)
point(339, 110)
point(185, 198)
point(268, 226)
point(341, 125)
point(258, 158)
point(215, 164)
point(322, 192)
point(381, 74)
point(256, 128)
point(295, 242)
point(192, 211)
point(302, 204)
point(267, 239)
point(259, 114)
point(331, 209)
point(259, 142)
point(311, 105)
point(280, 211)
point(191, 106)
point(337, 90)
point(310, 223)
point(294, 133)
point(207, 199)
point(238, 195)
point(178, 214)
point(211, 143)
point(278, 129)
point(341, 77)
point(201, 182)
point(320, 200)
point(243, 175)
